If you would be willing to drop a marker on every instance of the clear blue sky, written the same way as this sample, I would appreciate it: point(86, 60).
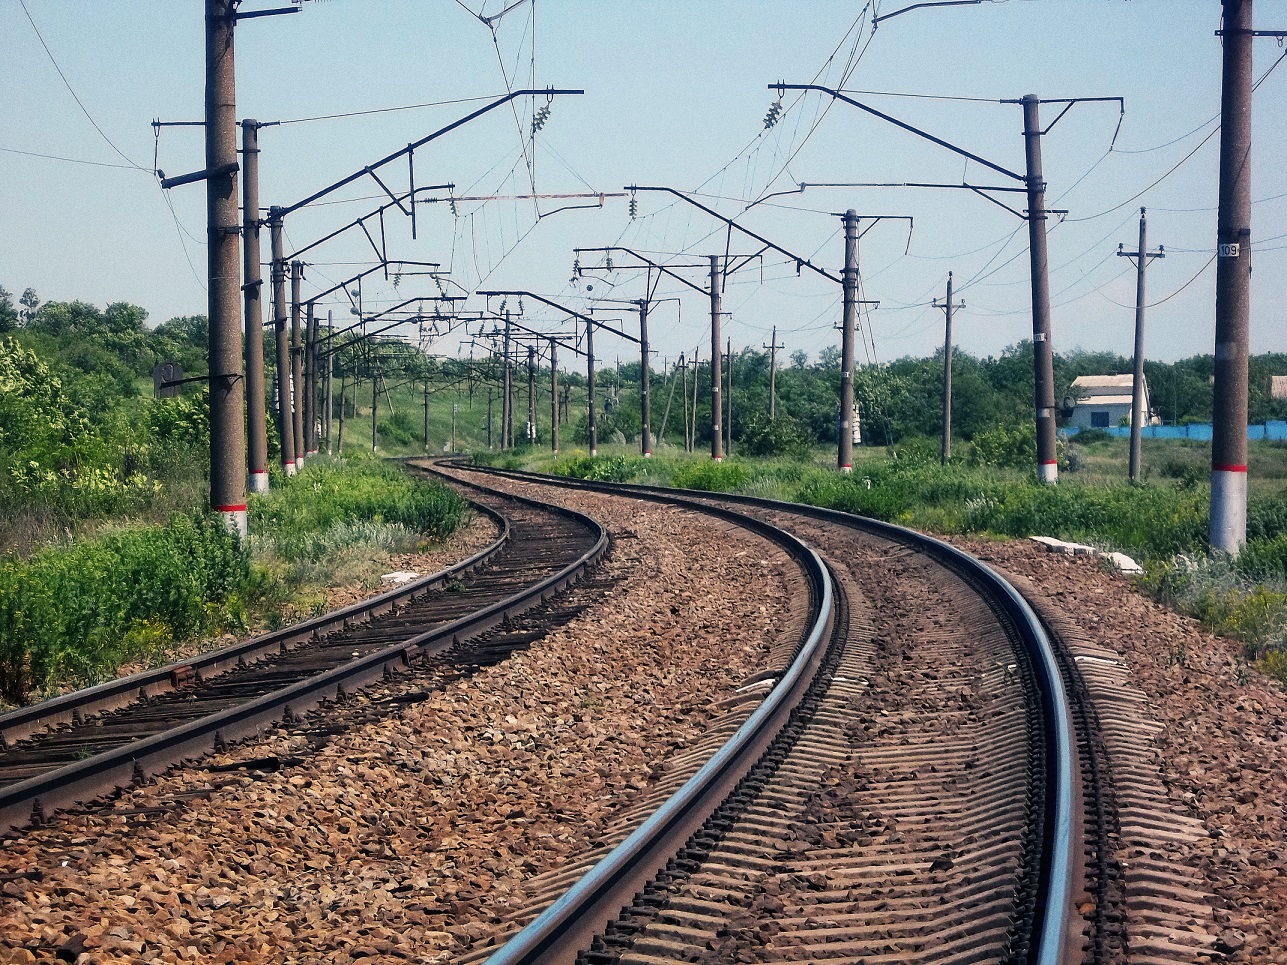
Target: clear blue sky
point(675, 95)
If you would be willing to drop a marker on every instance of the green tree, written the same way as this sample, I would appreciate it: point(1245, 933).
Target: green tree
point(8, 314)
point(30, 303)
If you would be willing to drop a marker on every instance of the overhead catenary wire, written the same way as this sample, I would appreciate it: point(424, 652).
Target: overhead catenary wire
point(76, 97)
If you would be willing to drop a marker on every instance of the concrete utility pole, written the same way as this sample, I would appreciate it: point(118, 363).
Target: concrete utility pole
point(375, 403)
point(1138, 408)
point(507, 393)
point(728, 422)
point(426, 432)
point(253, 289)
point(339, 441)
point(593, 432)
point(948, 307)
point(849, 323)
point(227, 377)
point(1042, 348)
point(296, 362)
point(531, 394)
point(1233, 287)
point(330, 397)
point(692, 425)
point(490, 394)
point(554, 396)
point(310, 381)
point(717, 404)
point(773, 347)
point(645, 382)
point(285, 423)
point(455, 407)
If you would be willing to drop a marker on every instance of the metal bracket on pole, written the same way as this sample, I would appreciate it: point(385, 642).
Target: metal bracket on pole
point(222, 171)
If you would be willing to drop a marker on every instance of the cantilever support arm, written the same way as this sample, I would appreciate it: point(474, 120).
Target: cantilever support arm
point(371, 168)
point(800, 261)
point(646, 262)
point(567, 311)
point(905, 126)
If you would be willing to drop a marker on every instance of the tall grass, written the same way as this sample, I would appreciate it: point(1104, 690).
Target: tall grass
point(74, 614)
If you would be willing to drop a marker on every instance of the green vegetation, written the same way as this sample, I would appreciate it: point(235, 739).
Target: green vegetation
point(74, 614)
point(87, 454)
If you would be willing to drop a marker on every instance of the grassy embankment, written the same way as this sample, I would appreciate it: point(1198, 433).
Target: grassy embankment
point(1162, 522)
point(132, 593)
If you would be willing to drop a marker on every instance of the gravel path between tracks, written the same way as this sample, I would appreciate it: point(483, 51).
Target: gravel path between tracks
point(1219, 750)
point(409, 837)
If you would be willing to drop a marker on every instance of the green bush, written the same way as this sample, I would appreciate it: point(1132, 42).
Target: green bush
point(1013, 447)
point(716, 477)
point(598, 468)
point(75, 613)
point(334, 491)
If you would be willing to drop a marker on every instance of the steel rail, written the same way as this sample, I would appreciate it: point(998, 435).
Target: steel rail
point(1058, 868)
point(33, 799)
point(598, 897)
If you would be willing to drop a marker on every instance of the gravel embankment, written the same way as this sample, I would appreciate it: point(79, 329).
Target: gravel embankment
point(405, 838)
point(1218, 750)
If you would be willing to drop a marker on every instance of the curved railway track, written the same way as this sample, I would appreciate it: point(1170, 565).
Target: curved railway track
point(907, 792)
point(83, 745)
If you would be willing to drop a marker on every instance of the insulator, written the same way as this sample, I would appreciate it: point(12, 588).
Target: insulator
point(775, 111)
point(634, 207)
point(452, 203)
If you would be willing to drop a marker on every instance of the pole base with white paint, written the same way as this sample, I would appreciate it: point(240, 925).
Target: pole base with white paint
point(258, 482)
point(234, 517)
point(1048, 473)
point(1229, 509)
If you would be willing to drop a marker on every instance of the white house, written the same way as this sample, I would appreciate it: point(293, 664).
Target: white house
point(1101, 401)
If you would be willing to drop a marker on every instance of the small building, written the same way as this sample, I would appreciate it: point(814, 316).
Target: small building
point(1103, 401)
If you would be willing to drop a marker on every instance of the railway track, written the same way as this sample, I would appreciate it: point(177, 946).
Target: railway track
point(84, 745)
point(907, 790)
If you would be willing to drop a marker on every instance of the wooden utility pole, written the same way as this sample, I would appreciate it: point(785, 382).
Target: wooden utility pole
point(1233, 287)
point(227, 372)
point(773, 347)
point(1139, 409)
point(253, 288)
point(949, 307)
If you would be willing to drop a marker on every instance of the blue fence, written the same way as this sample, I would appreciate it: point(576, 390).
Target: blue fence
point(1273, 431)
